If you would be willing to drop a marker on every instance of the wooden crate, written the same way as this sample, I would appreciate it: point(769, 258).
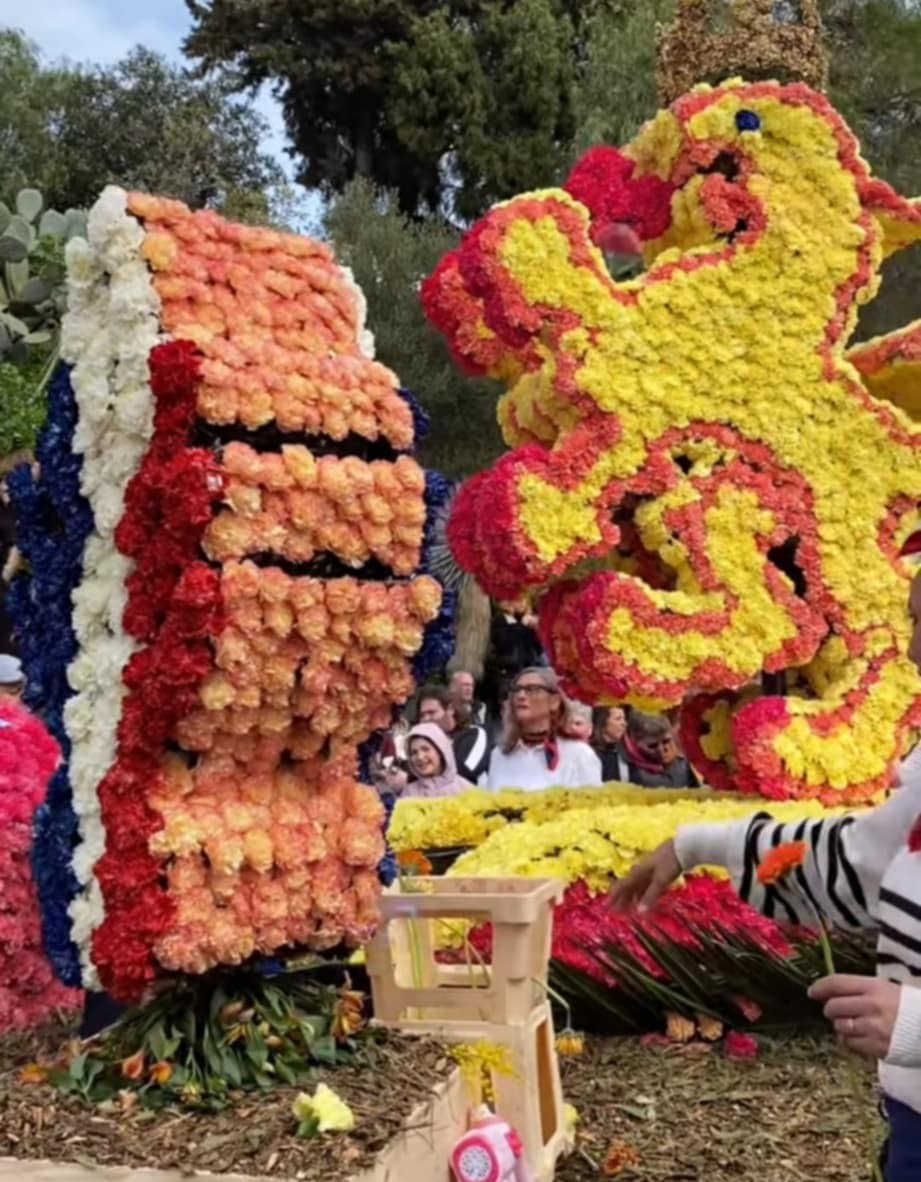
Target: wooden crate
point(414, 993)
point(503, 1001)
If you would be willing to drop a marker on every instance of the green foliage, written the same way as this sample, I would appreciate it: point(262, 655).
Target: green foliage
point(617, 88)
point(212, 1038)
point(141, 123)
point(876, 84)
point(22, 401)
point(32, 275)
point(390, 256)
point(450, 105)
point(32, 301)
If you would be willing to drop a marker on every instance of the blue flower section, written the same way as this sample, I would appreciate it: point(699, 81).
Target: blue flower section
point(438, 640)
point(55, 838)
point(53, 521)
point(422, 423)
point(387, 870)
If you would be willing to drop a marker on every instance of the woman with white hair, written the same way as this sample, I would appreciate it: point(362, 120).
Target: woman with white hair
point(534, 752)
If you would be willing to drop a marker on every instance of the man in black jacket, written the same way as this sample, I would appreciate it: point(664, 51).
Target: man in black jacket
point(472, 744)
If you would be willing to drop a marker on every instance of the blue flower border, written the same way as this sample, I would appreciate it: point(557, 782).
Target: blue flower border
point(53, 522)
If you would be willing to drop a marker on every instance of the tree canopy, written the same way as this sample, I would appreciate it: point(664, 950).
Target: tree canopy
point(141, 123)
point(390, 254)
point(453, 105)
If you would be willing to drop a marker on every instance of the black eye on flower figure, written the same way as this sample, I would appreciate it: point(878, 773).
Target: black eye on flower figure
point(748, 121)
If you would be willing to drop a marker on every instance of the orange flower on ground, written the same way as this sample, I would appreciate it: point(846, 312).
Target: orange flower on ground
point(413, 862)
point(749, 1009)
point(161, 1073)
point(709, 1029)
point(779, 862)
point(679, 1028)
point(33, 1073)
point(620, 1157)
point(127, 1101)
point(133, 1066)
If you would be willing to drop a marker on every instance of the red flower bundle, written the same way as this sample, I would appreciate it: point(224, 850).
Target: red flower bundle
point(174, 607)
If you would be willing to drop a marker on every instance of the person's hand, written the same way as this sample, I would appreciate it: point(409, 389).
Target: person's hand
point(863, 1011)
point(649, 879)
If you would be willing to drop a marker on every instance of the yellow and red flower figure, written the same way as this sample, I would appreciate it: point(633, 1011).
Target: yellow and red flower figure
point(708, 484)
point(251, 600)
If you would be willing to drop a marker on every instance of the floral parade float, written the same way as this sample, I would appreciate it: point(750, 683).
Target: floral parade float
point(226, 534)
point(712, 500)
point(699, 454)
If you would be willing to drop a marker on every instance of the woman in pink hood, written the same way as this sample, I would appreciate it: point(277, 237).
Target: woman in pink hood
point(432, 763)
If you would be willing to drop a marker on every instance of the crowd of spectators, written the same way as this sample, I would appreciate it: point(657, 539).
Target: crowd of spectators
point(450, 741)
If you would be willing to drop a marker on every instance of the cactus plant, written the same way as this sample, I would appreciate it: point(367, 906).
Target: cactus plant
point(32, 273)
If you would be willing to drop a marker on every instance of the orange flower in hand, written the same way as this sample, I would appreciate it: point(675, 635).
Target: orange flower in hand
point(780, 861)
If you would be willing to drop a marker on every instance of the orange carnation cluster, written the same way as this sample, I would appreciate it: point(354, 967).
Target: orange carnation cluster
point(297, 505)
point(302, 662)
point(278, 324)
point(261, 861)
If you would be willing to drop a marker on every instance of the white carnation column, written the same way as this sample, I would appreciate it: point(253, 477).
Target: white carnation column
point(111, 325)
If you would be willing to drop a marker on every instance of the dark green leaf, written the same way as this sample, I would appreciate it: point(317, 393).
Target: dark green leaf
point(323, 1050)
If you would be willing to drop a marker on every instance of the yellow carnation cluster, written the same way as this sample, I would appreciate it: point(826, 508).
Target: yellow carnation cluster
point(598, 843)
point(420, 823)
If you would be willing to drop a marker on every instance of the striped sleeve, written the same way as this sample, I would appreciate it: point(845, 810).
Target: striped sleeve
point(841, 875)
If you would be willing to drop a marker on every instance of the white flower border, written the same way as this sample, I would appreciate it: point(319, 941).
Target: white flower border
point(363, 335)
point(112, 323)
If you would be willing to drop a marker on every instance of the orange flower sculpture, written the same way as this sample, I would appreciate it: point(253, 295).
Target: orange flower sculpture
point(710, 486)
point(251, 601)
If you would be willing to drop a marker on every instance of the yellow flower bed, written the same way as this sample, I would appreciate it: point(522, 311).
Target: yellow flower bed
point(596, 843)
point(469, 819)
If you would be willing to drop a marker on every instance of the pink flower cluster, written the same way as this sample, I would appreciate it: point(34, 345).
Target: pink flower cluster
point(29, 992)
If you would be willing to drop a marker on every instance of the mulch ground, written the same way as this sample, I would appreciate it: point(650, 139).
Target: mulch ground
point(683, 1114)
point(795, 1114)
point(256, 1136)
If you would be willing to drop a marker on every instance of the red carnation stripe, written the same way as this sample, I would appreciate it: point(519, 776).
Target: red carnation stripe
point(174, 608)
point(603, 182)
